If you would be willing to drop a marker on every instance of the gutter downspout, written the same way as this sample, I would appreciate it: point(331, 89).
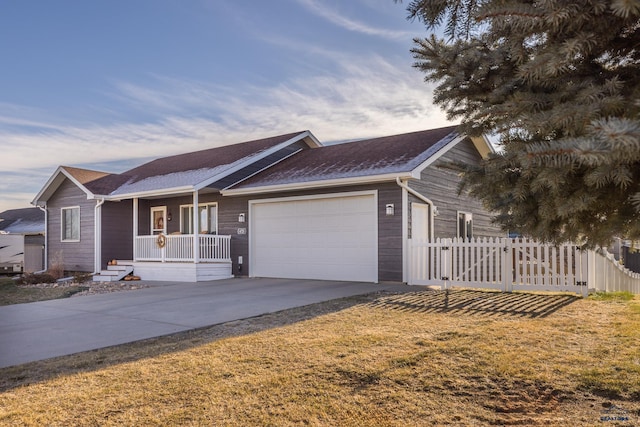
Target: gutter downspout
point(424, 199)
point(46, 237)
point(97, 224)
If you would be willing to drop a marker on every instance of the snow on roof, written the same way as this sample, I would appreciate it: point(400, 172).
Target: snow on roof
point(170, 180)
point(182, 170)
point(378, 156)
point(22, 221)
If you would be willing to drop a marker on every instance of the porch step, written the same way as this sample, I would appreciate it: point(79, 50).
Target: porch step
point(113, 273)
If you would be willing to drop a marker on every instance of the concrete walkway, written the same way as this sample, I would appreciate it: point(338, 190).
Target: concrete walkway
point(41, 330)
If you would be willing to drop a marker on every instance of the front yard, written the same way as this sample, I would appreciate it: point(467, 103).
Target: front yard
point(11, 293)
point(458, 358)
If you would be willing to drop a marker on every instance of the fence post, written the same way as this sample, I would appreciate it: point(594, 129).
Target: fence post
point(506, 259)
point(585, 273)
point(410, 261)
point(445, 261)
point(592, 281)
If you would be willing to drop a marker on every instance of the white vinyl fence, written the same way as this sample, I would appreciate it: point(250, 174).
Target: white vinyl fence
point(515, 264)
point(609, 275)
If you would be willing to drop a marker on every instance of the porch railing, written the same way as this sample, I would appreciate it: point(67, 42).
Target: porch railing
point(179, 248)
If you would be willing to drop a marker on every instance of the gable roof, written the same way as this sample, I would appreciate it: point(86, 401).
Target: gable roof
point(179, 173)
point(22, 221)
point(387, 157)
point(82, 178)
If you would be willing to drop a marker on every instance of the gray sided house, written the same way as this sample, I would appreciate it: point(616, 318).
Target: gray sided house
point(286, 206)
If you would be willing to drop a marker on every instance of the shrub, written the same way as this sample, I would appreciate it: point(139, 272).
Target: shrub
point(79, 277)
point(56, 265)
point(34, 279)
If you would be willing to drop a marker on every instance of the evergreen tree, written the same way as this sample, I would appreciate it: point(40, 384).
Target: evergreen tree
point(559, 82)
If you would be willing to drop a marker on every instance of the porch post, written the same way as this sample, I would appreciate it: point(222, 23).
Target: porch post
point(196, 228)
point(135, 228)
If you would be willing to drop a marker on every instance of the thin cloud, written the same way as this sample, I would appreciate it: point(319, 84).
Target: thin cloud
point(350, 24)
point(372, 98)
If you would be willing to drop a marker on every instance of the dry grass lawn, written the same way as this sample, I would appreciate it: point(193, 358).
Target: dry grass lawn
point(10, 293)
point(428, 358)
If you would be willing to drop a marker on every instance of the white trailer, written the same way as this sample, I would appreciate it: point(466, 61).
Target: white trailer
point(11, 253)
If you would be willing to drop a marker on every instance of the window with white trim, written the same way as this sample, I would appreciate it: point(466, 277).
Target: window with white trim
point(465, 225)
point(208, 218)
point(70, 224)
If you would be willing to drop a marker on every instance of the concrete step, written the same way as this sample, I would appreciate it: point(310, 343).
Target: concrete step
point(113, 273)
point(101, 278)
point(118, 267)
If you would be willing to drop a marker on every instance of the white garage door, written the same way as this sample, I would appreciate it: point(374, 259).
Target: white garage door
point(328, 238)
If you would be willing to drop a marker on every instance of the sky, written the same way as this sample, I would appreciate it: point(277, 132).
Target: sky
point(110, 84)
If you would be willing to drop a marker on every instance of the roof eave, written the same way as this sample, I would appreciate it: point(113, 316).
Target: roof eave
point(43, 195)
point(417, 171)
point(483, 145)
point(151, 193)
point(338, 182)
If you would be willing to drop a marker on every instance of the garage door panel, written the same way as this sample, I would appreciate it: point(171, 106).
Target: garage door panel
point(333, 238)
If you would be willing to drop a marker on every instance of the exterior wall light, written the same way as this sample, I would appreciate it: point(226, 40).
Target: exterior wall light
point(390, 209)
point(241, 217)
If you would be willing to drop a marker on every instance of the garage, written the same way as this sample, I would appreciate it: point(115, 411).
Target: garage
point(327, 237)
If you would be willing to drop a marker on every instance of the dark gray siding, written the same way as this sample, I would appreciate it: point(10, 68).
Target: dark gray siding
point(75, 256)
point(441, 186)
point(117, 231)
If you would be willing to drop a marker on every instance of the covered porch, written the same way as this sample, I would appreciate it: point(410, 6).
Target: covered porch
point(184, 255)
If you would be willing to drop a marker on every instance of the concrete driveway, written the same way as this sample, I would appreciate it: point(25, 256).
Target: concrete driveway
point(46, 329)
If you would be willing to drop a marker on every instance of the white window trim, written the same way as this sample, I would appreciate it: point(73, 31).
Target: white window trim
point(466, 215)
point(162, 209)
point(200, 205)
point(62, 239)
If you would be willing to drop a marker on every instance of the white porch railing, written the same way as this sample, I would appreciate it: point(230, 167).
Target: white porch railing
point(179, 248)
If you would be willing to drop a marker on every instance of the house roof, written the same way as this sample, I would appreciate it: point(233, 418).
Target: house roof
point(196, 169)
point(277, 163)
point(22, 221)
point(385, 156)
point(185, 172)
point(85, 176)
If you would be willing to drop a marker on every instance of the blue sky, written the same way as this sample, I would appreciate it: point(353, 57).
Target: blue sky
point(107, 85)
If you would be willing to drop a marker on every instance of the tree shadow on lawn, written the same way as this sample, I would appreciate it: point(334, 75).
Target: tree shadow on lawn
point(450, 301)
point(39, 371)
point(478, 302)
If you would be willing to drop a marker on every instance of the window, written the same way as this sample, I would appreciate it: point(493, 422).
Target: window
point(158, 223)
point(70, 224)
point(465, 225)
point(208, 218)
